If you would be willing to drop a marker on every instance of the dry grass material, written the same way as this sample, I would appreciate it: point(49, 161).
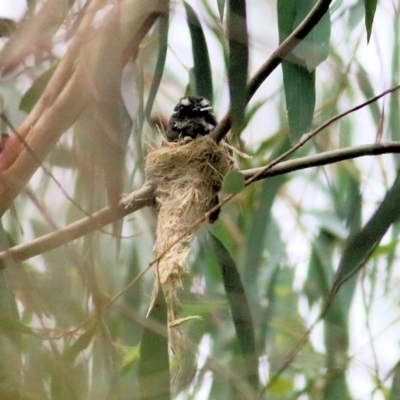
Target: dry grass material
point(186, 175)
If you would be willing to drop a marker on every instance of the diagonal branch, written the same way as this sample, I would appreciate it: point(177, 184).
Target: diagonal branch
point(284, 49)
point(73, 86)
point(326, 158)
point(144, 197)
point(133, 202)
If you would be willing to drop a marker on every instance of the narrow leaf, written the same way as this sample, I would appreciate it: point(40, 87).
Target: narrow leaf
point(154, 375)
point(30, 98)
point(131, 356)
point(238, 62)
point(368, 92)
point(314, 48)
point(7, 27)
point(163, 28)
point(317, 284)
point(361, 245)
point(202, 68)
point(395, 392)
point(233, 182)
point(80, 344)
point(240, 309)
point(12, 325)
point(370, 8)
point(299, 85)
point(298, 69)
point(221, 8)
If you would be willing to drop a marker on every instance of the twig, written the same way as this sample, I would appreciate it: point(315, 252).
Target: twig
point(144, 197)
point(328, 157)
point(73, 92)
point(294, 39)
point(105, 216)
point(312, 134)
point(133, 202)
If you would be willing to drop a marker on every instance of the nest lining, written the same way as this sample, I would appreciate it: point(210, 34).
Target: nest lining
point(186, 175)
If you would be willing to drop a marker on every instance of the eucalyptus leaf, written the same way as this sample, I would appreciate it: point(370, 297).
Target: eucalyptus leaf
point(370, 8)
point(298, 68)
point(221, 8)
point(299, 85)
point(81, 344)
point(13, 325)
point(395, 390)
point(361, 245)
point(33, 94)
point(154, 375)
point(238, 63)
point(7, 27)
point(202, 68)
point(163, 28)
point(239, 307)
point(233, 182)
point(314, 48)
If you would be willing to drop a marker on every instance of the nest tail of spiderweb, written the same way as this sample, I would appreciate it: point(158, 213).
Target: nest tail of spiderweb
point(186, 176)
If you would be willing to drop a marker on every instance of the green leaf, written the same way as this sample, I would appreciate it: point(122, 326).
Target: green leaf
point(314, 48)
point(221, 8)
point(299, 85)
point(393, 127)
point(13, 325)
point(154, 375)
point(336, 5)
point(360, 246)
point(329, 222)
point(80, 344)
point(102, 375)
point(31, 6)
point(336, 386)
point(33, 94)
point(233, 182)
point(370, 8)
point(202, 69)
point(356, 14)
point(131, 356)
point(7, 27)
point(395, 392)
point(11, 330)
point(320, 267)
point(239, 307)
point(163, 28)
point(258, 227)
point(298, 69)
point(368, 91)
point(238, 62)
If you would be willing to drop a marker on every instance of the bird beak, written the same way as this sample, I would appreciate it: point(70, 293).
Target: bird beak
point(206, 108)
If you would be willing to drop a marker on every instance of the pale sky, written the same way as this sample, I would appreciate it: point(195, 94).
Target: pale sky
point(12, 9)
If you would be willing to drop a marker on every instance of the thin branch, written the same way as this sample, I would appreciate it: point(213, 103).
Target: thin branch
point(328, 157)
point(306, 138)
point(133, 202)
point(73, 91)
point(144, 197)
point(284, 49)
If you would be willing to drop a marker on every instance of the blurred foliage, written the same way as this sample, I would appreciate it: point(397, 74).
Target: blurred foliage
point(296, 284)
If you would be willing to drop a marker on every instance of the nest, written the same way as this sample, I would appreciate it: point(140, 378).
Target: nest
point(186, 175)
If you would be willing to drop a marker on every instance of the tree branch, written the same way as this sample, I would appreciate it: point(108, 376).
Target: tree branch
point(133, 202)
point(328, 157)
point(284, 49)
point(144, 197)
point(73, 86)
